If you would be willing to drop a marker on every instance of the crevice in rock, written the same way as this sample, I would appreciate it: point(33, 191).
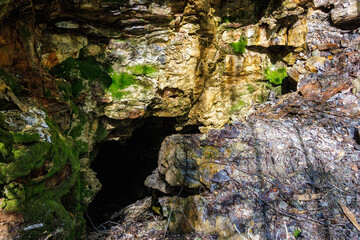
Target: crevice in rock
point(288, 85)
point(357, 136)
point(123, 167)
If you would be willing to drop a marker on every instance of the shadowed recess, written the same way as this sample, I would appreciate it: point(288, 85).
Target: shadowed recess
point(123, 168)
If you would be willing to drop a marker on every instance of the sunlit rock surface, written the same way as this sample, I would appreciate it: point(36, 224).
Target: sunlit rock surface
point(76, 73)
point(262, 168)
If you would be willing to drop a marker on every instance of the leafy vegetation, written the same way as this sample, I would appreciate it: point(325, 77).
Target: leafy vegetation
point(239, 46)
point(277, 76)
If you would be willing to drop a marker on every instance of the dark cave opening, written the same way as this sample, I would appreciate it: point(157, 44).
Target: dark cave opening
point(123, 168)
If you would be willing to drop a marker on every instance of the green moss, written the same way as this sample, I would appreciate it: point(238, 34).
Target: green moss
point(3, 124)
point(82, 146)
point(250, 88)
point(262, 98)
point(237, 106)
point(65, 89)
point(77, 127)
point(6, 141)
point(100, 133)
point(35, 199)
point(94, 71)
point(47, 93)
point(74, 108)
point(66, 69)
point(25, 159)
point(3, 6)
point(120, 81)
point(239, 46)
point(77, 86)
point(3, 152)
point(10, 82)
point(119, 94)
point(277, 76)
point(25, 137)
point(296, 233)
point(44, 204)
point(14, 197)
point(144, 69)
point(78, 70)
point(76, 131)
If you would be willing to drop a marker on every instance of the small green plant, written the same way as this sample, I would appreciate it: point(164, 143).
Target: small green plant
point(277, 76)
point(297, 232)
point(239, 46)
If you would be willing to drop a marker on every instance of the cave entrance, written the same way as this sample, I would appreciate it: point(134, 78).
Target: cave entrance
point(123, 167)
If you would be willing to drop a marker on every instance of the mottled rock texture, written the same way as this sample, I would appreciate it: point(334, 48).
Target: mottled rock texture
point(75, 73)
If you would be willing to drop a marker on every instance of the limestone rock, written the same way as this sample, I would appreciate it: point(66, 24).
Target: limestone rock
point(237, 165)
point(314, 63)
point(100, 68)
point(323, 3)
point(346, 13)
point(58, 47)
point(320, 88)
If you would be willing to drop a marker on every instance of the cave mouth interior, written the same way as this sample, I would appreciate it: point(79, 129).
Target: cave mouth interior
point(123, 167)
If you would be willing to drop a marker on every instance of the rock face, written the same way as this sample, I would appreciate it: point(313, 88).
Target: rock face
point(274, 169)
point(76, 73)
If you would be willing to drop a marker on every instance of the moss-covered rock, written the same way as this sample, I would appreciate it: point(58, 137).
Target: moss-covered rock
point(40, 172)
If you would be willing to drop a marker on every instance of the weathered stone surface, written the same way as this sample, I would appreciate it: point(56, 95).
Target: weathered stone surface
point(262, 164)
point(58, 47)
point(319, 88)
point(314, 63)
point(115, 63)
point(323, 3)
point(346, 13)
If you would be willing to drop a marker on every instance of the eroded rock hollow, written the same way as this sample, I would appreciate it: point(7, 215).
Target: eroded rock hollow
point(123, 167)
point(174, 119)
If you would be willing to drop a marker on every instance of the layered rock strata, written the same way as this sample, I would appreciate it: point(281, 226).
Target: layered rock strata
point(76, 73)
